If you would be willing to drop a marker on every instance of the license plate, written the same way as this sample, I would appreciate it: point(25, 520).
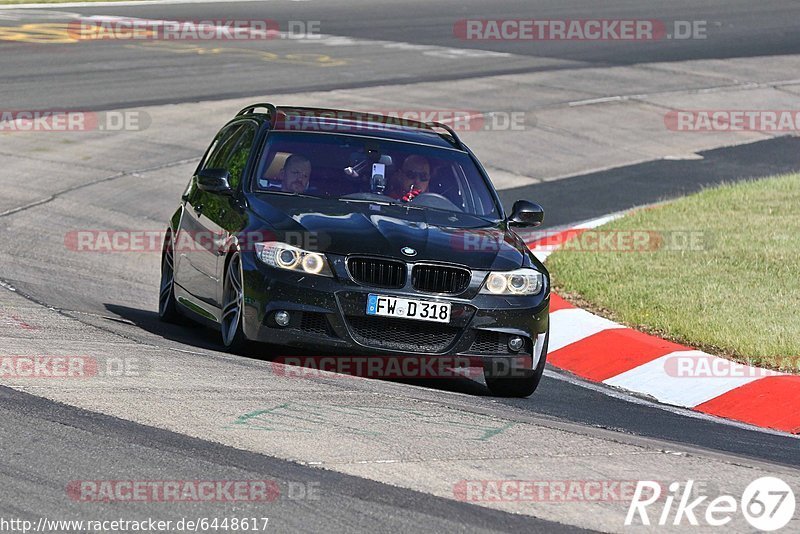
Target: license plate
point(419, 310)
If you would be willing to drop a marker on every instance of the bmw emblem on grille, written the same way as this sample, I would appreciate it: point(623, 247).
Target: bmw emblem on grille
point(408, 251)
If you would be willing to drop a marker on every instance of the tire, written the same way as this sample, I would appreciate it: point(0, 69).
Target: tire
point(167, 304)
point(233, 337)
point(500, 384)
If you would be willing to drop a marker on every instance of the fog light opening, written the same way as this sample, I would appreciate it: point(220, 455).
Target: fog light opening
point(515, 344)
point(282, 318)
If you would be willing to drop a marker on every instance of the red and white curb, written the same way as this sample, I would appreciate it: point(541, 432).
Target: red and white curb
point(603, 351)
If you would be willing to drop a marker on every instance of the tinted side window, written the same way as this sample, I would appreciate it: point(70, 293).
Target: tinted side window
point(221, 149)
point(240, 154)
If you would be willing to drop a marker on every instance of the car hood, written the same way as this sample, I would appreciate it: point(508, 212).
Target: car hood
point(341, 227)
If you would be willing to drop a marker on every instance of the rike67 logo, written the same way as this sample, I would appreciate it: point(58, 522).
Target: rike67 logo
point(768, 504)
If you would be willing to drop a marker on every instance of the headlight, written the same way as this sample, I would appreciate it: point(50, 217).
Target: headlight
point(519, 282)
point(283, 256)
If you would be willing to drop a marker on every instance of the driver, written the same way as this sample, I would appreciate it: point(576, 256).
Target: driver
point(295, 174)
point(412, 179)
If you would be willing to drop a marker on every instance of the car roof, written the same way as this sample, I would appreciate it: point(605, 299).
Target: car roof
point(392, 126)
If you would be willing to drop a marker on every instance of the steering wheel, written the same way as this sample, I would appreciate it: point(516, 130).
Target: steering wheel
point(435, 200)
point(431, 195)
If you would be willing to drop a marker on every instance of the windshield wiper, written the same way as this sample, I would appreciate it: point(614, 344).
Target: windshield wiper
point(381, 202)
point(397, 203)
point(288, 193)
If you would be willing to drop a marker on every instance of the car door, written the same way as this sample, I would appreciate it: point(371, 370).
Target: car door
point(227, 216)
point(198, 234)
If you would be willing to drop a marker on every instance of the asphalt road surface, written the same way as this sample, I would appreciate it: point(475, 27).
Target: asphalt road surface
point(106, 302)
point(365, 44)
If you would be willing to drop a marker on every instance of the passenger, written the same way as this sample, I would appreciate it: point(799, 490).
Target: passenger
point(412, 179)
point(295, 174)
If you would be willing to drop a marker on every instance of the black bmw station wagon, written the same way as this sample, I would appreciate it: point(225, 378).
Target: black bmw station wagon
point(357, 234)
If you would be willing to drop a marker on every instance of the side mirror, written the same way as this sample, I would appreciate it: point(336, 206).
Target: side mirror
point(214, 181)
point(525, 213)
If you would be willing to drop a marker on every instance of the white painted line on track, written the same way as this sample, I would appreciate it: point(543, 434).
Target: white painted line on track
point(35, 14)
point(7, 286)
point(600, 221)
point(600, 100)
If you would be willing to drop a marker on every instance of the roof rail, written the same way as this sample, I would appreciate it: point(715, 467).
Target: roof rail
point(273, 111)
point(450, 131)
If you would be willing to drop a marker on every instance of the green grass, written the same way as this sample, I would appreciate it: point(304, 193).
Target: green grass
point(738, 296)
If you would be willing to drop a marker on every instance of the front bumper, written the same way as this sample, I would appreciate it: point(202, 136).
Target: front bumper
point(329, 315)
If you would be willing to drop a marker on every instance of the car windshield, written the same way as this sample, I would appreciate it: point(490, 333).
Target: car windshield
point(352, 168)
